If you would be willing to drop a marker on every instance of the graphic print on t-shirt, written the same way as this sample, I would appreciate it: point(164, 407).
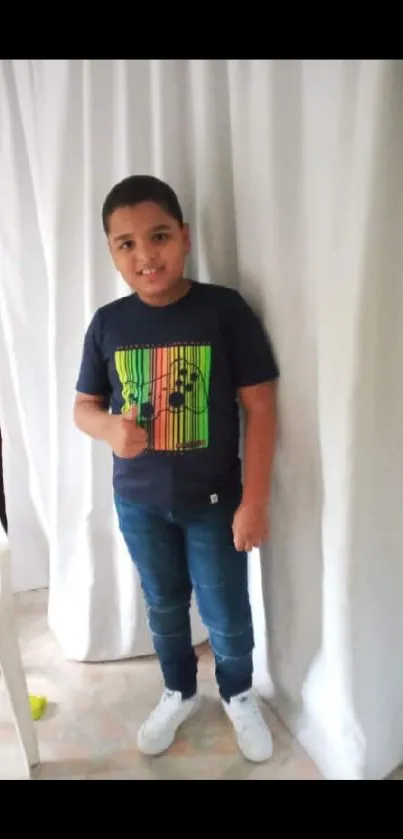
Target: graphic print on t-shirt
point(170, 387)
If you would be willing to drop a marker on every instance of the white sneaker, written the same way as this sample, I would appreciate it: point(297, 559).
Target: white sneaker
point(158, 732)
point(253, 735)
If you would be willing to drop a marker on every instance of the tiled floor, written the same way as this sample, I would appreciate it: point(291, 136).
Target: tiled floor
point(89, 729)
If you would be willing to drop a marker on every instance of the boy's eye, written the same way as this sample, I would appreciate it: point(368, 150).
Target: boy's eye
point(126, 245)
point(160, 237)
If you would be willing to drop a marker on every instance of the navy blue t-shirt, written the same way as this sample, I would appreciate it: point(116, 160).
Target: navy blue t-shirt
point(181, 365)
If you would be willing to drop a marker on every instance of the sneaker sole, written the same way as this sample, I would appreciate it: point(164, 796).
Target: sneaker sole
point(164, 744)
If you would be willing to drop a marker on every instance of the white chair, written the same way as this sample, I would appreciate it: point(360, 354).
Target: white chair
point(11, 664)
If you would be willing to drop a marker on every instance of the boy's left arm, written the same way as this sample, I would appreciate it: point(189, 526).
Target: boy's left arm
point(251, 526)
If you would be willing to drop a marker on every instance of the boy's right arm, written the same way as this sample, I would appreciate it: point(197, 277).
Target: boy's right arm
point(120, 431)
point(92, 416)
point(91, 407)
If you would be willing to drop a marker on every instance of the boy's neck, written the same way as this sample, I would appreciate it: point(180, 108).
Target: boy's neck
point(175, 294)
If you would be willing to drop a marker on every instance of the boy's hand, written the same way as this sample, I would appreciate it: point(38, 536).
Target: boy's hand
point(250, 526)
point(126, 438)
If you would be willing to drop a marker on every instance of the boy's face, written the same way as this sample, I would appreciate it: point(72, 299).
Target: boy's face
point(149, 249)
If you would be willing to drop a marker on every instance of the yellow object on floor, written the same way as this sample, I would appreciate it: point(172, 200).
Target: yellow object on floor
point(38, 706)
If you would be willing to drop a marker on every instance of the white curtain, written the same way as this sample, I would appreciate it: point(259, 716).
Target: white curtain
point(291, 175)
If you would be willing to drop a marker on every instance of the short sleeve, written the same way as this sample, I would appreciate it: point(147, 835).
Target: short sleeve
point(93, 374)
point(251, 352)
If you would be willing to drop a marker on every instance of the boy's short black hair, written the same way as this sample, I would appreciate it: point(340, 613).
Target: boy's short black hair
point(138, 188)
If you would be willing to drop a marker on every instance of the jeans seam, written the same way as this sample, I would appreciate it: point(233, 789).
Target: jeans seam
point(222, 634)
point(168, 610)
point(168, 634)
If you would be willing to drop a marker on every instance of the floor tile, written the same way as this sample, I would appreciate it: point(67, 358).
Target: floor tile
point(94, 710)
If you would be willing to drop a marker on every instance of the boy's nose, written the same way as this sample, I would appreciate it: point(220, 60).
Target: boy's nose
point(145, 254)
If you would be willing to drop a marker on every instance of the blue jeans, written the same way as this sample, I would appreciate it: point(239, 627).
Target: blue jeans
point(175, 553)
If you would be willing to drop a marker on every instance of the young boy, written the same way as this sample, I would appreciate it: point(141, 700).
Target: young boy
point(162, 374)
